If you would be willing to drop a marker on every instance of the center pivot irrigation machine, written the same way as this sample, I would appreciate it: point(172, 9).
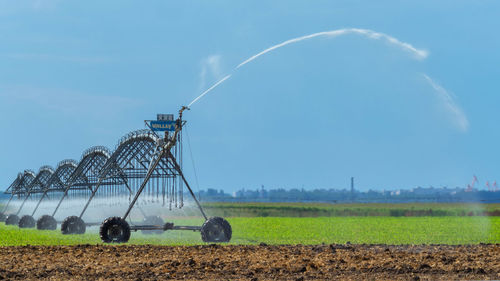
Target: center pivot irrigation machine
point(143, 163)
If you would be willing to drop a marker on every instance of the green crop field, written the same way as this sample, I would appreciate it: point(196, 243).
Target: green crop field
point(288, 230)
point(357, 209)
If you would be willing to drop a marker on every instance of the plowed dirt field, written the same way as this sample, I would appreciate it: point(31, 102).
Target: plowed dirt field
point(216, 262)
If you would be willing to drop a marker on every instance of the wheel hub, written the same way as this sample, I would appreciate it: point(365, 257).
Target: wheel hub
point(115, 231)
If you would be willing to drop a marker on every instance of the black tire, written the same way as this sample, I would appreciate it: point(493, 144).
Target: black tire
point(46, 222)
point(216, 230)
point(153, 220)
point(3, 217)
point(12, 220)
point(73, 225)
point(114, 230)
point(27, 221)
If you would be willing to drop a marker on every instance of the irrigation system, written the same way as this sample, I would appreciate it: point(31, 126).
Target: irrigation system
point(145, 163)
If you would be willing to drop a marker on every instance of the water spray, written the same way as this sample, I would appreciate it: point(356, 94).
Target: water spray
point(417, 53)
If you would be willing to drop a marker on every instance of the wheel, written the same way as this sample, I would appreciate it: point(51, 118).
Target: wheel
point(46, 222)
point(114, 230)
point(12, 220)
point(73, 225)
point(3, 217)
point(152, 220)
point(27, 221)
point(216, 229)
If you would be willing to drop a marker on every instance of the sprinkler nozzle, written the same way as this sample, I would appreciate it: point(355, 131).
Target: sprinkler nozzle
point(182, 109)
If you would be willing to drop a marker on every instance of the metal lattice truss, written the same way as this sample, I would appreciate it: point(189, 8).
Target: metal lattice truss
point(40, 183)
point(102, 174)
point(20, 185)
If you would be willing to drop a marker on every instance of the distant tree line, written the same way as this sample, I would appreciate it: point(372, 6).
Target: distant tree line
point(418, 194)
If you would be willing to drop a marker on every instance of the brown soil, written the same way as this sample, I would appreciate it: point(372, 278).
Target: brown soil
point(216, 262)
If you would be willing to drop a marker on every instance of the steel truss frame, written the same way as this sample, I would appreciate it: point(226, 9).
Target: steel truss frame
point(38, 184)
point(20, 186)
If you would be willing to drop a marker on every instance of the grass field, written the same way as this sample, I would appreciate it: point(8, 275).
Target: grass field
point(282, 230)
point(357, 209)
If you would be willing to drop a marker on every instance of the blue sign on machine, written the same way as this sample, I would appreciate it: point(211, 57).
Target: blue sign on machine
point(162, 125)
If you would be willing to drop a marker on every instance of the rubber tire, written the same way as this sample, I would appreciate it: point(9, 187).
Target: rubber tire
point(73, 225)
point(12, 220)
point(114, 230)
point(152, 220)
point(3, 217)
point(216, 230)
point(27, 221)
point(46, 222)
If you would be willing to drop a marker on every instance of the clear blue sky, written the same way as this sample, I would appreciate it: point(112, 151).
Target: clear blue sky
point(310, 114)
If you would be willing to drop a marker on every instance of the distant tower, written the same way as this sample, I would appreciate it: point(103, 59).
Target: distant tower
point(352, 189)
